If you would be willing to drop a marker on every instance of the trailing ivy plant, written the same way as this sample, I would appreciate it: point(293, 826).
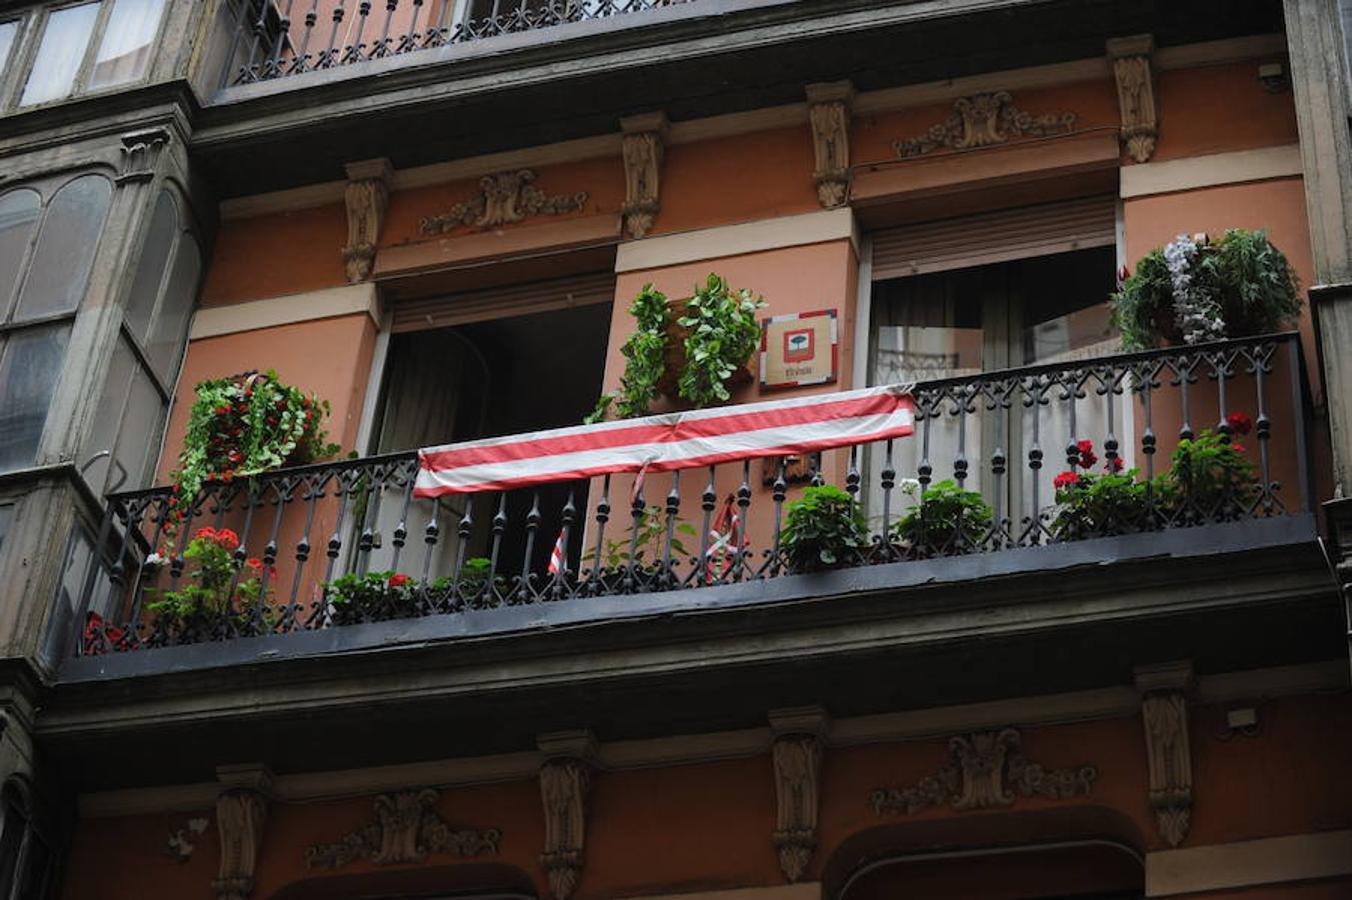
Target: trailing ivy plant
point(947, 519)
point(724, 332)
point(1195, 289)
point(823, 529)
point(245, 425)
point(644, 353)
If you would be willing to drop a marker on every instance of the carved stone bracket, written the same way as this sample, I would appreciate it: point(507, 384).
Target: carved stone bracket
point(828, 109)
point(407, 830)
point(797, 753)
point(140, 152)
point(241, 811)
point(1135, 93)
point(982, 120)
point(503, 199)
point(643, 145)
point(563, 791)
point(368, 196)
point(1164, 713)
point(987, 769)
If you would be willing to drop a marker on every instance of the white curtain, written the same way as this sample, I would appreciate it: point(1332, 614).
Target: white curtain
point(125, 49)
point(64, 42)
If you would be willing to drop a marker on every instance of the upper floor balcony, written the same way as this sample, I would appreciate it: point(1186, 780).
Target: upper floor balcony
point(1193, 459)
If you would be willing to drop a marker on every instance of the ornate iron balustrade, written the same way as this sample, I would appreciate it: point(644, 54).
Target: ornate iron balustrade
point(278, 38)
point(338, 543)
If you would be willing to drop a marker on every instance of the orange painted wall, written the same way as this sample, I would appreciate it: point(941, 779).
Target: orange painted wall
point(276, 255)
point(1216, 109)
point(708, 826)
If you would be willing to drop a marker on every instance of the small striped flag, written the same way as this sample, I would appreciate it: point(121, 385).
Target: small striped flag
point(556, 555)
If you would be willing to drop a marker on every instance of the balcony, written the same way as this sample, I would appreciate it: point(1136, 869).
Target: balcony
point(340, 557)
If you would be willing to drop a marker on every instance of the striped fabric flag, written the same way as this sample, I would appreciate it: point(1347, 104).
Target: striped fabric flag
point(667, 442)
point(556, 556)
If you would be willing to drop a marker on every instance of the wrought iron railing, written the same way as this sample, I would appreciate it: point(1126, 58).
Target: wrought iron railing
point(331, 544)
point(277, 38)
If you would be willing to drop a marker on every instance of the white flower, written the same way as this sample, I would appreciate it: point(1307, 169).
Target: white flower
point(1198, 315)
point(154, 559)
point(909, 486)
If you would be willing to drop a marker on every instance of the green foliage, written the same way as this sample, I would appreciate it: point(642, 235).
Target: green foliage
point(245, 425)
point(947, 519)
point(375, 596)
point(206, 601)
point(1210, 476)
point(822, 529)
point(652, 535)
point(724, 332)
point(644, 353)
point(1093, 505)
point(1251, 280)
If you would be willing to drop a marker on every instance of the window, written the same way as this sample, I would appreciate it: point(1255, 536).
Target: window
point(87, 46)
point(8, 32)
point(48, 239)
point(122, 442)
point(26, 858)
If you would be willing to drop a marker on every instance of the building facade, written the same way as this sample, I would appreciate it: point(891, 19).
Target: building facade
point(434, 217)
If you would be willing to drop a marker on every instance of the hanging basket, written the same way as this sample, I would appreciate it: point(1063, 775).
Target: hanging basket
point(674, 364)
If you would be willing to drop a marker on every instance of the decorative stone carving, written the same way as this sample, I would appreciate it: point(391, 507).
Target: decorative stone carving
point(406, 830)
point(988, 769)
point(182, 841)
point(503, 199)
point(1135, 93)
point(367, 196)
point(1164, 713)
point(828, 109)
point(240, 814)
point(797, 765)
point(644, 146)
point(140, 152)
point(982, 120)
point(563, 790)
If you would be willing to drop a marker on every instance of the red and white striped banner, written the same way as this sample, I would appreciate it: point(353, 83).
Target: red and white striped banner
point(672, 441)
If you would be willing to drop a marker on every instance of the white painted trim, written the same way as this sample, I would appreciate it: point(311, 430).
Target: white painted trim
point(803, 890)
point(213, 321)
point(733, 124)
point(735, 240)
point(1079, 706)
point(1296, 857)
point(375, 382)
point(1215, 169)
point(863, 314)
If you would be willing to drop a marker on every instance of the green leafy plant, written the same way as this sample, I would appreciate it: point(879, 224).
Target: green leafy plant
point(245, 425)
point(650, 547)
point(644, 353)
point(946, 519)
point(822, 529)
point(1209, 477)
point(724, 331)
point(219, 591)
point(1096, 505)
point(1197, 289)
point(375, 596)
point(474, 576)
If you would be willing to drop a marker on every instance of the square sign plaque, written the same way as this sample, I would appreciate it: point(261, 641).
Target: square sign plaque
point(799, 349)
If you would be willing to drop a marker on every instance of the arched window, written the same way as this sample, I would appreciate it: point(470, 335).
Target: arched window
point(122, 442)
point(26, 857)
point(47, 251)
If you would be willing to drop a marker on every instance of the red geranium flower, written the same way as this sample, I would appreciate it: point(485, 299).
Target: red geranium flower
point(256, 564)
point(1239, 423)
point(1238, 448)
point(399, 579)
point(227, 539)
point(1065, 480)
point(1115, 464)
point(208, 533)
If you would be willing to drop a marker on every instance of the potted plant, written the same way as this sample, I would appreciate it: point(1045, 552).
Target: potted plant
point(645, 355)
point(1210, 478)
point(373, 597)
point(823, 529)
point(947, 520)
point(1093, 504)
point(1195, 290)
point(220, 594)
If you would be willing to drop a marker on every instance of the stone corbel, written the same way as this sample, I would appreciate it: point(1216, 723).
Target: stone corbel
point(241, 811)
point(141, 152)
point(799, 736)
point(1164, 712)
point(828, 108)
point(368, 196)
point(1135, 93)
point(564, 781)
point(643, 145)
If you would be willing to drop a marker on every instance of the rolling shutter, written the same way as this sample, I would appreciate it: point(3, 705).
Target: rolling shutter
point(994, 237)
point(502, 302)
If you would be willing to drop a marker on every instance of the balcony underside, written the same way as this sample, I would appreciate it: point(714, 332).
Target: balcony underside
point(694, 60)
point(884, 638)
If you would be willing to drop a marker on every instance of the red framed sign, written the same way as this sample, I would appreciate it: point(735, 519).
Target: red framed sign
point(799, 349)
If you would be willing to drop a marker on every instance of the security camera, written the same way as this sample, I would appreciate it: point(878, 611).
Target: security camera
point(1273, 77)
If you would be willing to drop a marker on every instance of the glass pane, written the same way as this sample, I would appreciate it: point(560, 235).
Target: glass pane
point(1066, 305)
point(6, 516)
point(150, 271)
point(107, 418)
point(19, 212)
point(69, 237)
point(138, 435)
point(64, 42)
point(928, 326)
point(29, 365)
point(125, 50)
point(8, 31)
point(166, 341)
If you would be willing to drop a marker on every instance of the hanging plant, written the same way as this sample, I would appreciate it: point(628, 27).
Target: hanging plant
point(245, 425)
point(1195, 290)
point(645, 357)
point(823, 529)
point(723, 333)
